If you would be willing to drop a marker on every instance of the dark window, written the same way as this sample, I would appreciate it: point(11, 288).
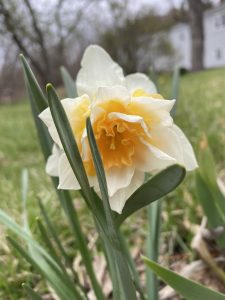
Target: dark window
point(218, 54)
point(217, 22)
point(223, 20)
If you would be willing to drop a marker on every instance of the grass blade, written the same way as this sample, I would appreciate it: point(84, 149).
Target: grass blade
point(49, 245)
point(33, 252)
point(69, 83)
point(154, 210)
point(41, 265)
point(53, 232)
point(206, 198)
point(208, 173)
point(185, 287)
point(31, 293)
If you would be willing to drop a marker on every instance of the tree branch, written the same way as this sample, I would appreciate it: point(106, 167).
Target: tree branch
point(10, 26)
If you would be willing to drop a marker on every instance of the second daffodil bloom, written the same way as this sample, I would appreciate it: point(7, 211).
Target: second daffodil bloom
point(132, 125)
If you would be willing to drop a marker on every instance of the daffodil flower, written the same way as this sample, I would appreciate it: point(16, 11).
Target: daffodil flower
point(132, 125)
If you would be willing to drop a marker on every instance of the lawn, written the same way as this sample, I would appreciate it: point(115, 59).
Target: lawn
point(201, 110)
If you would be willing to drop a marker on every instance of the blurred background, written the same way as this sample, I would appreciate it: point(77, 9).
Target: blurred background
point(137, 34)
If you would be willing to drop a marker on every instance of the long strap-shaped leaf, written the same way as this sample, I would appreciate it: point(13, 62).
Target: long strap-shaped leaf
point(33, 85)
point(189, 289)
point(154, 220)
point(38, 103)
point(157, 187)
point(71, 150)
point(120, 258)
point(207, 199)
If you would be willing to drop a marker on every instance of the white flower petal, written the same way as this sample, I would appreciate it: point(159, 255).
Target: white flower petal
point(97, 69)
point(156, 109)
point(116, 92)
point(154, 104)
point(96, 112)
point(140, 81)
point(118, 178)
point(118, 200)
point(69, 105)
point(67, 179)
point(151, 159)
point(53, 161)
point(186, 157)
point(174, 143)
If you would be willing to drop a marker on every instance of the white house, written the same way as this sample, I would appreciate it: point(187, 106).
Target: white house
point(214, 41)
point(214, 44)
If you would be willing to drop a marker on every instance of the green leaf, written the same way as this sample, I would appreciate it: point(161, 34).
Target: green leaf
point(34, 256)
point(208, 192)
point(49, 272)
point(120, 258)
point(132, 266)
point(206, 162)
point(188, 289)
point(68, 142)
point(71, 149)
point(31, 293)
point(38, 103)
point(207, 200)
point(34, 88)
point(48, 244)
point(155, 188)
point(54, 234)
point(102, 181)
point(154, 212)
point(69, 83)
point(72, 152)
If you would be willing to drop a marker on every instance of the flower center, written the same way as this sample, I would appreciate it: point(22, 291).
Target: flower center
point(118, 142)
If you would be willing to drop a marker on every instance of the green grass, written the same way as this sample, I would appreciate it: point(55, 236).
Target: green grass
point(201, 109)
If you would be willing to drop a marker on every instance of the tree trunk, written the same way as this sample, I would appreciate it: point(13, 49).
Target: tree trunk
point(197, 33)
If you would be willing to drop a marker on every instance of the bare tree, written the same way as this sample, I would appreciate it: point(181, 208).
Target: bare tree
point(45, 36)
point(196, 9)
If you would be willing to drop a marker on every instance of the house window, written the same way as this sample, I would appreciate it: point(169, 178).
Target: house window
point(218, 54)
point(219, 22)
point(223, 20)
